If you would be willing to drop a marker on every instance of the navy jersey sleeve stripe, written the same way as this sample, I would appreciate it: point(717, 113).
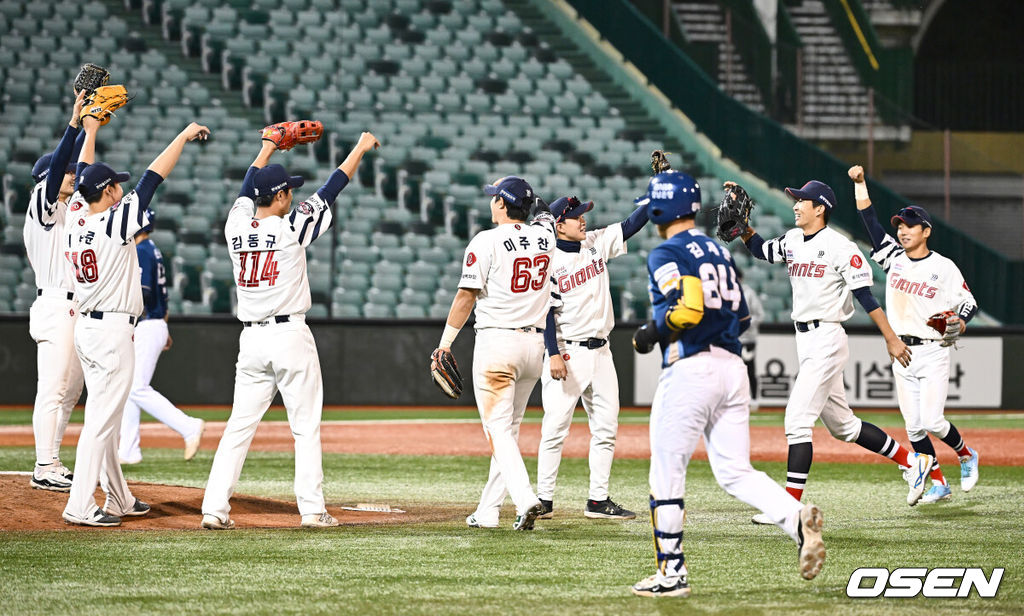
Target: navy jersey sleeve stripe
point(316, 229)
point(305, 227)
point(123, 212)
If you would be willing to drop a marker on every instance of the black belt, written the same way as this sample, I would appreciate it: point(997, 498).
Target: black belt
point(71, 295)
point(590, 343)
point(808, 326)
point(96, 314)
point(530, 330)
point(278, 319)
point(915, 341)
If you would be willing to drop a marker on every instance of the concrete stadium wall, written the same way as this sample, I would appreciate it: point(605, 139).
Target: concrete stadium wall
point(363, 362)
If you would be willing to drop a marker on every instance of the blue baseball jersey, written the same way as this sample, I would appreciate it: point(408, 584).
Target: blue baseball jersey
point(154, 279)
point(691, 253)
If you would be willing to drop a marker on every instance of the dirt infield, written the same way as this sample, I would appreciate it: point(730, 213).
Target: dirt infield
point(176, 508)
point(999, 447)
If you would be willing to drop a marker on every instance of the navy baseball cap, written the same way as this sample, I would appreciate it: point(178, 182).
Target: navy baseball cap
point(818, 192)
point(273, 178)
point(569, 207)
point(910, 216)
point(512, 189)
point(42, 167)
point(98, 176)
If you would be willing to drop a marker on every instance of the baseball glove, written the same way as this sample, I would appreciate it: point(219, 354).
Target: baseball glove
point(734, 213)
point(285, 135)
point(91, 77)
point(103, 102)
point(948, 324)
point(445, 373)
point(659, 162)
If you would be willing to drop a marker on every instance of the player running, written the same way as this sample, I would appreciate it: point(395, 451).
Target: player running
point(505, 274)
point(51, 321)
point(826, 270)
point(267, 239)
point(579, 362)
point(151, 339)
point(920, 283)
point(101, 226)
point(699, 313)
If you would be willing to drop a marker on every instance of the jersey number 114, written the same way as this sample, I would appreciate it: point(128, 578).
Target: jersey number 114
point(250, 274)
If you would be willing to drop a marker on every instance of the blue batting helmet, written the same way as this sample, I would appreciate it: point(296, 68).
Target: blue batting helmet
point(670, 195)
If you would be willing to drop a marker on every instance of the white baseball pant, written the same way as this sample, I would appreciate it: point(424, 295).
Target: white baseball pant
point(150, 338)
point(108, 360)
point(271, 358)
point(51, 323)
point(590, 376)
point(818, 389)
point(921, 390)
point(506, 365)
point(708, 394)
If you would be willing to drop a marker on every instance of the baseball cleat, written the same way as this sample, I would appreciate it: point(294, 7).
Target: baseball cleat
point(607, 509)
point(473, 522)
point(63, 470)
point(138, 509)
point(49, 477)
point(657, 586)
point(761, 519)
point(938, 492)
point(524, 521)
point(212, 522)
point(812, 548)
point(969, 470)
point(917, 476)
point(96, 518)
point(549, 507)
point(319, 520)
point(192, 442)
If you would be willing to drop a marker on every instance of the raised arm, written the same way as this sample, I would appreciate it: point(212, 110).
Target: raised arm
point(634, 222)
point(867, 213)
point(163, 164)
point(268, 149)
point(62, 156)
point(87, 155)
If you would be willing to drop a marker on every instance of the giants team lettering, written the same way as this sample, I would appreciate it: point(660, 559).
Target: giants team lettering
point(920, 289)
point(567, 282)
point(806, 270)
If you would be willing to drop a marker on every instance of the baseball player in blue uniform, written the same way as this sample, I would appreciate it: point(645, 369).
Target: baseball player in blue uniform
point(703, 390)
point(151, 339)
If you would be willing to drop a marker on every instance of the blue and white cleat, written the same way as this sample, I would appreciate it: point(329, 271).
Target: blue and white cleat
point(938, 492)
point(969, 471)
point(917, 476)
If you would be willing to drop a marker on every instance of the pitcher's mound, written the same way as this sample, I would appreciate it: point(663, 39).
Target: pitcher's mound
point(178, 508)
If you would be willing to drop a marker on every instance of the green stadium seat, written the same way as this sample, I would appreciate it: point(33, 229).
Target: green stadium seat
point(410, 311)
point(378, 311)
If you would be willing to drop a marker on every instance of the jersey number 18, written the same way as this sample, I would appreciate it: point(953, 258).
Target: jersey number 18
point(255, 275)
point(86, 267)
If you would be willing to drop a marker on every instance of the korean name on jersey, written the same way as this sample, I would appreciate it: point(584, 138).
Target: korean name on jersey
point(268, 257)
point(509, 264)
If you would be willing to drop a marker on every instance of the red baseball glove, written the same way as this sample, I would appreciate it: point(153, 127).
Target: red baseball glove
point(285, 135)
point(948, 324)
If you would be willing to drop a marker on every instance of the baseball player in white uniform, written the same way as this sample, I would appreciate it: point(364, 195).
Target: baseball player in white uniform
point(579, 360)
point(826, 270)
point(505, 274)
point(920, 283)
point(267, 240)
point(151, 339)
point(703, 391)
point(51, 321)
point(100, 246)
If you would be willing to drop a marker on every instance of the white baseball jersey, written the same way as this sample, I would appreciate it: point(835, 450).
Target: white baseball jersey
point(510, 264)
point(581, 285)
point(823, 271)
point(44, 229)
point(915, 289)
point(269, 257)
point(101, 251)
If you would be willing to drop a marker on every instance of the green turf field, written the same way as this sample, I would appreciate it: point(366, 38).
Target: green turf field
point(994, 419)
point(568, 565)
